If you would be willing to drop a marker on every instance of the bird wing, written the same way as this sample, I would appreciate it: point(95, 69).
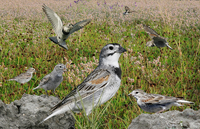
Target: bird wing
point(96, 80)
point(150, 31)
point(45, 79)
point(80, 25)
point(127, 9)
point(159, 99)
point(23, 76)
point(54, 19)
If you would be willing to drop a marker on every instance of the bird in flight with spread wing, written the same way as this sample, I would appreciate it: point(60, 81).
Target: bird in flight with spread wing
point(62, 32)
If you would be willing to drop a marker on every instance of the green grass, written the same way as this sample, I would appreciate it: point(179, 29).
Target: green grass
point(25, 43)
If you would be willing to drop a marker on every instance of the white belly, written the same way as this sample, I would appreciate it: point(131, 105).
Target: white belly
point(111, 90)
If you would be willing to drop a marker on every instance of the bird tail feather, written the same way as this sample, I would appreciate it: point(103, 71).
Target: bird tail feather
point(185, 101)
point(11, 79)
point(54, 39)
point(36, 88)
point(169, 47)
point(56, 112)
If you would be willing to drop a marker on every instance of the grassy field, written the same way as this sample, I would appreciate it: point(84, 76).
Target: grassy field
point(24, 43)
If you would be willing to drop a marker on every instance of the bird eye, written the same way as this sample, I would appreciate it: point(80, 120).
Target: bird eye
point(136, 92)
point(60, 66)
point(111, 47)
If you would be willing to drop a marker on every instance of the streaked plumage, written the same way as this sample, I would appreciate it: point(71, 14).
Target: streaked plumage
point(24, 77)
point(157, 40)
point(156, 102)
point(52, 81)
point(99, 87)
point(62, 32)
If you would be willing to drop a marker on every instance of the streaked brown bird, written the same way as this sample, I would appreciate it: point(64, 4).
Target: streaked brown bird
point(156, 102)
point(24, 77)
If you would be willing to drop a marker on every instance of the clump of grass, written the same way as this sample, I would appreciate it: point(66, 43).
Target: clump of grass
point(25, 30)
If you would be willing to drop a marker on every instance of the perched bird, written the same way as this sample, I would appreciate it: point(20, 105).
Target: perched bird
point(156, 102)
point(128, 10)
point(24, 77)
point(99, 87)
point(157, 40)
point(62, 32)
point(52, 81)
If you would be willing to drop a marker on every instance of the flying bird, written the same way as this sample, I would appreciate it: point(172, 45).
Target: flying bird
point(62, 32)
point(128, 10)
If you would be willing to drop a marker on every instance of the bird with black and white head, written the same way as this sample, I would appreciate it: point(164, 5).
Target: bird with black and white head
point(99, 87)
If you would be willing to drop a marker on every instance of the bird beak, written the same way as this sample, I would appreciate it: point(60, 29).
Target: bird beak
point(129, 95)
point(65, 70)
point(121, 50)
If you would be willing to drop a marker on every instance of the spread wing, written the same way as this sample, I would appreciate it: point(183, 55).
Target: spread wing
point(54, 19)
point(127, 9)
point(96, 80)
point(150, 31)
point(159, 99)
point(80, 25)
point(45, 80)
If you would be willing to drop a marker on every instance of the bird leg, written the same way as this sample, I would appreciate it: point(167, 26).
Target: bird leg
point(160, 111)
point(54, 93)
point(47, 93)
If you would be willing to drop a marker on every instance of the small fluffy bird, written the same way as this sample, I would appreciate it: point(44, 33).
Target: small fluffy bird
point(24, 77)
point(128, 10)
point(62, 32)
point(157, 40)
point(99, 87)
point(156, 102)
point(52, 81)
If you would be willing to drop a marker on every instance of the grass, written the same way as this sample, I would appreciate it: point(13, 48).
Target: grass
point(24, 43)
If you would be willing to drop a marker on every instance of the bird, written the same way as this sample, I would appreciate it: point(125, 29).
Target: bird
point(52, 81)
point(150, 44)
point(156, 103)
point(24, 77)
point(128, 10)
point(157, 40)
point(99, 86)
point(62, 32)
